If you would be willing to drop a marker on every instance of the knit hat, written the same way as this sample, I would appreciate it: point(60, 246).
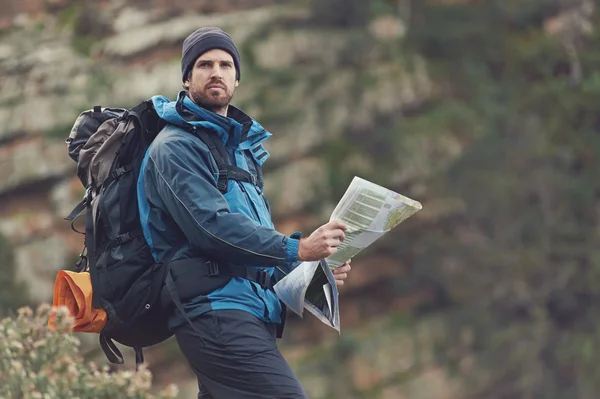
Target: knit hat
point(203, 40)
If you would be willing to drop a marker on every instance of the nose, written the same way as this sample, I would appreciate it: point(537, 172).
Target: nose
point(216, 72)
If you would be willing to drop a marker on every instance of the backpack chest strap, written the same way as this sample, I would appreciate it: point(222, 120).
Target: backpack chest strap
point(234, 173)
point(227, 171)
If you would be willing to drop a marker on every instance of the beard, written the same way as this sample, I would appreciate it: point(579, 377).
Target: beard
point(211, 99)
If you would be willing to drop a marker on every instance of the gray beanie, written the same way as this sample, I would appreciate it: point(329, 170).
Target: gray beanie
point(203, 40)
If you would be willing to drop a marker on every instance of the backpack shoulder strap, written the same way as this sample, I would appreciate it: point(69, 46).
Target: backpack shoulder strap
point(216, 147)
point(148, 119)
point(226, 169)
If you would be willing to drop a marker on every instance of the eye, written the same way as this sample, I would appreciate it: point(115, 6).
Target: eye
point(226, 65)
point(204, 64)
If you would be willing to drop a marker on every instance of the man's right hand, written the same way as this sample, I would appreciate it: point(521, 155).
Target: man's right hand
point(323, 242)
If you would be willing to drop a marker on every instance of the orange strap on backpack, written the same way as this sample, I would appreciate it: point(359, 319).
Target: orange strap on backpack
point(74, 291)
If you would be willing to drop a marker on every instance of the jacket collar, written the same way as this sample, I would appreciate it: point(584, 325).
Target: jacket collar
point(236, 129)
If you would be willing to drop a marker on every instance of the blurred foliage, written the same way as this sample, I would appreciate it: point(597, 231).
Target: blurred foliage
point(518, 86)
point(523, 261)
point(87, 24)
point(356, 13)
point(13, 294)
point(39, 363)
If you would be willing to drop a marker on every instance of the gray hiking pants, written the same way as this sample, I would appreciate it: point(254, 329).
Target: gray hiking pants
point(235, 356)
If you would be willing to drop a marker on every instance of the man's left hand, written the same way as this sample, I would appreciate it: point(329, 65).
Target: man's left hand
point(341, 273)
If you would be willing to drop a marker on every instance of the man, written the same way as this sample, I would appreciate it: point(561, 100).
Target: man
point(228, 333)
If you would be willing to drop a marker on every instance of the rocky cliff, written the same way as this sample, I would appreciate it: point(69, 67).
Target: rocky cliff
point(301, 82)
point(338, 93)
point(309, 85)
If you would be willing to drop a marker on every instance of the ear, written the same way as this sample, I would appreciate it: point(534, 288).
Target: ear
point(187, 84)
point(237, 82)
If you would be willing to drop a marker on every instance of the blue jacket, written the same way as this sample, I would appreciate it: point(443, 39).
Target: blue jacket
point(181, 207)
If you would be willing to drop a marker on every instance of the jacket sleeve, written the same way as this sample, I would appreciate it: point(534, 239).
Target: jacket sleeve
point(184, 175)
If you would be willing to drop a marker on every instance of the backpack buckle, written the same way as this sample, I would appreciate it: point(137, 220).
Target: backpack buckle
point(124, 116)
point(213, 268)
point(123, 238)
point(82, 263)
point(222, 180)
point(264, 279)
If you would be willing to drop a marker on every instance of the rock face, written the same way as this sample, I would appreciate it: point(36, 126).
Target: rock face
point(307, 85)
point(32, 160)
point(343, 96)
point(306, 94)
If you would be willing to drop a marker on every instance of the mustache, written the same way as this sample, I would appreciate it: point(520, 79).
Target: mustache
point(216, 83)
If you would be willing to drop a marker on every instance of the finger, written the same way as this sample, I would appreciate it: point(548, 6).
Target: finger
point(341, 276)
point(337, 224)
point(333, 242)
point(339, 283)
point(337, 233)
point(342, 269)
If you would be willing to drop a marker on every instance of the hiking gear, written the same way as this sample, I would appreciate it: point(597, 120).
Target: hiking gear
point(239, 358)
point(203, 40)
point(109, 145)
point(74, 291)
point(194, 216)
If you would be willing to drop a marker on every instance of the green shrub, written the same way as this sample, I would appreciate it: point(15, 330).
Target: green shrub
point(37, 363)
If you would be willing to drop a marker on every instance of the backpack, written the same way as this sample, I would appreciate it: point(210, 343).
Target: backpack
point(109, 145)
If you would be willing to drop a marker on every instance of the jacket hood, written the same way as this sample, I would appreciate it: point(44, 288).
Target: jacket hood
point(235, 130)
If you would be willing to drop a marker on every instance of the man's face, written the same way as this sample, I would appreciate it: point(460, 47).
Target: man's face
point(212, 81)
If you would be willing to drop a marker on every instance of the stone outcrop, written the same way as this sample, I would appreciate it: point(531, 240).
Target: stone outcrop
point(307, 86)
